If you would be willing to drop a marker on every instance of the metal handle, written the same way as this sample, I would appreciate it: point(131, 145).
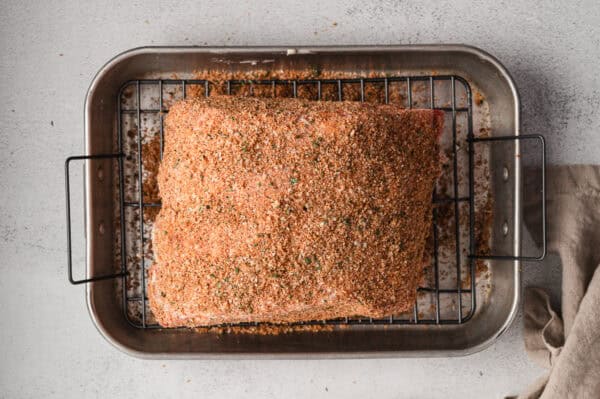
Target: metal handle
point(543, 192)
point(68, 201)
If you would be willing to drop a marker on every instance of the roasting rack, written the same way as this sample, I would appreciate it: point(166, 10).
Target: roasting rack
point(465, 298)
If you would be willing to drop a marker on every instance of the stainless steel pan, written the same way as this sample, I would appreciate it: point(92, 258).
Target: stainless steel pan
point(493, 315)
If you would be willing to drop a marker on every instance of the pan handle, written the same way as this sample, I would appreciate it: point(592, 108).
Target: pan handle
point(542, 141)
point(68, 202)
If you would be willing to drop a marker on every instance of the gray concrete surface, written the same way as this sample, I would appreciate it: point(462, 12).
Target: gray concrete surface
point(49, 53)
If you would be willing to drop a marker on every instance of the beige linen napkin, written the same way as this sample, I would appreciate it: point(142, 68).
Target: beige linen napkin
point(569, 347)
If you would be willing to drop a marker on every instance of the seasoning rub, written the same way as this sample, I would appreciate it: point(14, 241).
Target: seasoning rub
point(286, 210)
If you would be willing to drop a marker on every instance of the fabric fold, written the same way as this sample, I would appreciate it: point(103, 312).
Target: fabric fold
point(569, 346)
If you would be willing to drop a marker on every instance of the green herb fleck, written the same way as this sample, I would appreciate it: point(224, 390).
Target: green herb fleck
point(212, 275)
point(293, 181)
point(237, 270)
point(275, 275)
point(315, 70)
point(308, 260)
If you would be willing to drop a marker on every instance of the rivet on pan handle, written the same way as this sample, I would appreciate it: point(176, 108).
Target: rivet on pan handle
point(68, 201)
point(543, 192)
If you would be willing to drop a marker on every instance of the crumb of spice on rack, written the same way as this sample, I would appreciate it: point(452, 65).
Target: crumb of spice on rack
point(478, 97)
point(266, 329)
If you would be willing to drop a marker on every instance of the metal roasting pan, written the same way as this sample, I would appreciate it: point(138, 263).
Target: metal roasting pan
point(492, 317)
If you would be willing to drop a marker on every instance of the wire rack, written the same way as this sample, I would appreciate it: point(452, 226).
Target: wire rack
point(457, 104)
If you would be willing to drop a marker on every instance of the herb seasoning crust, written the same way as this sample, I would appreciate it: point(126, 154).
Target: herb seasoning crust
point(284, 210)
